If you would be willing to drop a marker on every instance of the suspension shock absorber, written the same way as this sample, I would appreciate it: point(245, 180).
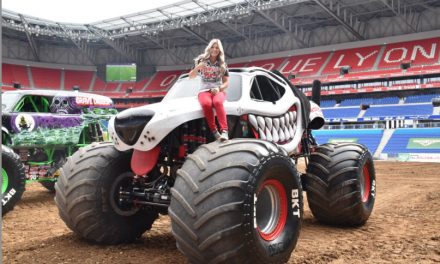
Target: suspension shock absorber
point(92, 132)
point(99, 132)
point(184, 139)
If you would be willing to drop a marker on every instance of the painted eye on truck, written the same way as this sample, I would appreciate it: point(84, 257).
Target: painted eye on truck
point(129, 128)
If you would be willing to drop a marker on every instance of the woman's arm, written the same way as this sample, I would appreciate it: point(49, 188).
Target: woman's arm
point(225, 83)
point(195, 70)
point(222, 87)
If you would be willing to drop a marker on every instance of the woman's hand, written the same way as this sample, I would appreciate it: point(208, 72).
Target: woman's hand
point(201, 65)
point(215, 90)
point(193, 72)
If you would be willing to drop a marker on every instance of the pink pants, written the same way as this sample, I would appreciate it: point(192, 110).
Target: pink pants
point(208, 101)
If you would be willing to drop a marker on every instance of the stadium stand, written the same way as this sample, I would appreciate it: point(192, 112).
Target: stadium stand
point(163, 80)
point(79, 78)
point(423, 98)
point(400, 110)
point(15, 74)
point(341, 112)
point(270, 64)
point(304, 65)
point(370, 101)
point(358, 59)
point(418, 52)
point(328, 103)
point(237, 65)
point(413, 140)
point(356, 101)
point(369, 137)
point(45, 78)
point(140, 85)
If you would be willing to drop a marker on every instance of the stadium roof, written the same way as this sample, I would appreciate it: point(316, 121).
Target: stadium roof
point(263, 26)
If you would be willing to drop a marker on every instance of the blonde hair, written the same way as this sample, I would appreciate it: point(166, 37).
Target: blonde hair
point(220, 58)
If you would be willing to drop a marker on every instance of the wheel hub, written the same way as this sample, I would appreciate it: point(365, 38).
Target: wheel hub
point(271, 209)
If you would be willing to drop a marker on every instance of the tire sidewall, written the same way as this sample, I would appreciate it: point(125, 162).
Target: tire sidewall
point(128, 225)
point(16, 180)
point(367, 160)
point(107, 187)
point(279, 249)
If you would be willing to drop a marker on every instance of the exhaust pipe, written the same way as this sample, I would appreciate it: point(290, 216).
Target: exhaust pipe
point(316, 92)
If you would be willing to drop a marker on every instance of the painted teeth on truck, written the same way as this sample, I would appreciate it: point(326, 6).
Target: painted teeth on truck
point(274, 129)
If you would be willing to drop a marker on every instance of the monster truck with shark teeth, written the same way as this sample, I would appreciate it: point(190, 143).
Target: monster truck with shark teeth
point(44, 127)
point(237, 201)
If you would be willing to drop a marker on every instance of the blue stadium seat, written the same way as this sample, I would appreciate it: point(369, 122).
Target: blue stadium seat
point(368, 137)
point(345, 112)
point(414, 140)
point(328, 103)
point(400, 110)
point(425, 98)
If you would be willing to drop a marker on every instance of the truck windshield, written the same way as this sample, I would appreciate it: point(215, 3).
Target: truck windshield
point(190, 88)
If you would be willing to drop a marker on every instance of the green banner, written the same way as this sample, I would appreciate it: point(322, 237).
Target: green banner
point(423, 143)
point(343, 140)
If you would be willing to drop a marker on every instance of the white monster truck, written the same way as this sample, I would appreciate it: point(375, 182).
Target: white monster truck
point(235, 202)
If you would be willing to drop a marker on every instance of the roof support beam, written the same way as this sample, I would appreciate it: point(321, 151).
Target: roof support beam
point(79, 43)
point(199, 37)
point(280, 21)
point(250, 41)
point(343, 16)
point(120, 46)
point(147, 36)
point(30, 39)
point(171, 52)
point(402, 11)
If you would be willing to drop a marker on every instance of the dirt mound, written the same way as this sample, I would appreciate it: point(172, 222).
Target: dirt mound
point(403, 228)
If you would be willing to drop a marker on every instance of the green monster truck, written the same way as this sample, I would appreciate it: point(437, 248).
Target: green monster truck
point(40, 129)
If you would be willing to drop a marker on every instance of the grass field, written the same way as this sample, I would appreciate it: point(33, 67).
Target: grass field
point(116, 73)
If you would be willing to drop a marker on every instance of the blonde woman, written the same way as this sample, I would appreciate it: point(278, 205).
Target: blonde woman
point(214, 75)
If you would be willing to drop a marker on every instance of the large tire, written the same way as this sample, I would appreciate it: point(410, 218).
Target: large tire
point(87, 196)
point(341, 184)
point(13, 179)
point(237, 202)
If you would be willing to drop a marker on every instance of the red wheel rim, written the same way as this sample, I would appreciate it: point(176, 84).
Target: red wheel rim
point(271, 209)
point(365, 183)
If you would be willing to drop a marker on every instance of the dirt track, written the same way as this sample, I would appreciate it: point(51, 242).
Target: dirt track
point(404, 228)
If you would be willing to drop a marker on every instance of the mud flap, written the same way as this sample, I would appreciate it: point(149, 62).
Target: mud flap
point(142, 162)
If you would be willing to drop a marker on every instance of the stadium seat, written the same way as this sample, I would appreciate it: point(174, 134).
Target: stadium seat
point(368, 137)
point(15, 74)
point(413, 140)
point(304, 65)
point(358, 59)
point(163, 80)
point(46, 78)
point(79, 78)
point(400, 110)
point(419, 52)
point(269, 64)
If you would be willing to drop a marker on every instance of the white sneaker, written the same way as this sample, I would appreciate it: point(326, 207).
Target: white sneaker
point(216, 134)
point(224, 136)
